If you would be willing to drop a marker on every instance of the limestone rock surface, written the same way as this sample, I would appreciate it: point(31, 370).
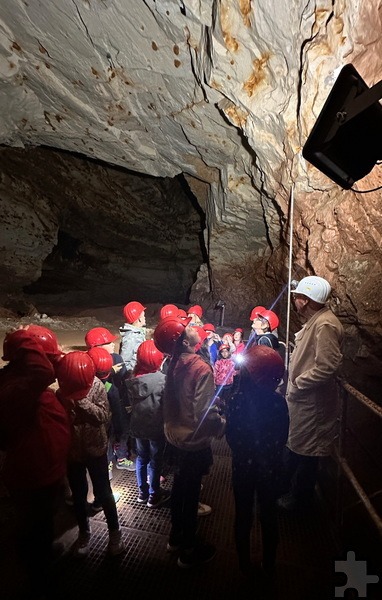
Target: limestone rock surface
point(213, 99)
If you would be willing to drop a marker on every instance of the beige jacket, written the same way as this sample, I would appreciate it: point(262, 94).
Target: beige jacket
point(311, 392)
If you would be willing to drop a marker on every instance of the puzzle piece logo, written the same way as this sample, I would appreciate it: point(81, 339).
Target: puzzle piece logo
point(356, 573)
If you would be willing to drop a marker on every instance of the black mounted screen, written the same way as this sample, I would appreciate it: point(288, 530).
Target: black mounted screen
point(345, 147)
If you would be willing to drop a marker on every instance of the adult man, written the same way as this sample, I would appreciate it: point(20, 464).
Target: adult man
point(311, 392)
point(191, 422)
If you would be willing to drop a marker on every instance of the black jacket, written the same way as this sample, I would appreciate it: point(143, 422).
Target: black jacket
point(257, 429)
point(115, 387)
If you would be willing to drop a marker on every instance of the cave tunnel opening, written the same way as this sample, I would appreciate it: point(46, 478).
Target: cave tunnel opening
point(111, 235)
point(57, 266)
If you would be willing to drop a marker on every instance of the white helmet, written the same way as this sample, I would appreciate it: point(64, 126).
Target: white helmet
point(315, 288)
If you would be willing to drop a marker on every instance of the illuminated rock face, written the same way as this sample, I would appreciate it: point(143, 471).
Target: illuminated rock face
point(222, 95)
point(86, 234)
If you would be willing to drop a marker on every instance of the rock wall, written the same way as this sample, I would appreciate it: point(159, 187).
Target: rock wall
point(224, 92)
point(74, 231)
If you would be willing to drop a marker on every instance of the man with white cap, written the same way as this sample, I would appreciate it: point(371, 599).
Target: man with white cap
point(311, 393)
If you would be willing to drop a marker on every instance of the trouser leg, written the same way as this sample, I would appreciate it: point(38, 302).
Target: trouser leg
point(99, 475)
point(303, 476)
point(35, 511)
point(244, 492)
point(189, 470)
point(143, 459)
point(269, 527)
point(184, 506)
point(155, 464)
point(79, 486)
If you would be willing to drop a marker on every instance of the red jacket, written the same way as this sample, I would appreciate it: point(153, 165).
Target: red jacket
point(224, 370)
point(34, 429)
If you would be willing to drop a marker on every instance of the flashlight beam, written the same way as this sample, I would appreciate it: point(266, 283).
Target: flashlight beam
point(213, 401)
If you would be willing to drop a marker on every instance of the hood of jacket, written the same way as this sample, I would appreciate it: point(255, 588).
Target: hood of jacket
point(145, 394)
point(128, 327)
point(141, 387)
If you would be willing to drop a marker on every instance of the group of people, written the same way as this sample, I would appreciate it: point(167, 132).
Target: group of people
point(181, 389)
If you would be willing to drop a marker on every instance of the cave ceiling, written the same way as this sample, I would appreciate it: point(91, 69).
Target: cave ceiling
point(157, 144)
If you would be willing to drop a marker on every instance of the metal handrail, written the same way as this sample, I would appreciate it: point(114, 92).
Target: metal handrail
point(362, 398)
point(343, 466)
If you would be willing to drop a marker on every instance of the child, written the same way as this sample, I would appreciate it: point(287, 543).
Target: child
point(224, 371)
point(238, 341)
point(239, 347)
point(100, 337)
point(168, 310)
point(213, 341)
point(84, 398)
point(103, 363)
point(264, 323)
point(227, 338)
point(145, 392)
point(195, 313)
point(191, 422)
point(133, 333)
point(257, 431)
point(34, 431)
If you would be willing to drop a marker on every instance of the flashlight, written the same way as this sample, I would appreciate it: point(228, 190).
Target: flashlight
point(239, 359)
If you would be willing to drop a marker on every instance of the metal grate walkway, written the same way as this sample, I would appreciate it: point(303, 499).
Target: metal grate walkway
point(306, 555)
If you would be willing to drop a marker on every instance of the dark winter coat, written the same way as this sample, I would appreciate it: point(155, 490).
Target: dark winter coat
point(263, 339)
point(257, 430)
point(145, 394)
point(115, 387)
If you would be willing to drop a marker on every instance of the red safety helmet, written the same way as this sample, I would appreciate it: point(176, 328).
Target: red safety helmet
point(75, 374)
point(256, 312)
point(269, 315)
point(209, 327)
point(13, 342)
point(149, 358)
point(224, 347)
point(168, 310)
point(195, 310)
point(227, 334)
point(98, 336)
point(103, 361)
point(132, 311)
point(181, 313)
point(239, 329)
point(272, 319)
point(202, 336)
point(264, 366)
point(168, 331)
point(46, 338)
